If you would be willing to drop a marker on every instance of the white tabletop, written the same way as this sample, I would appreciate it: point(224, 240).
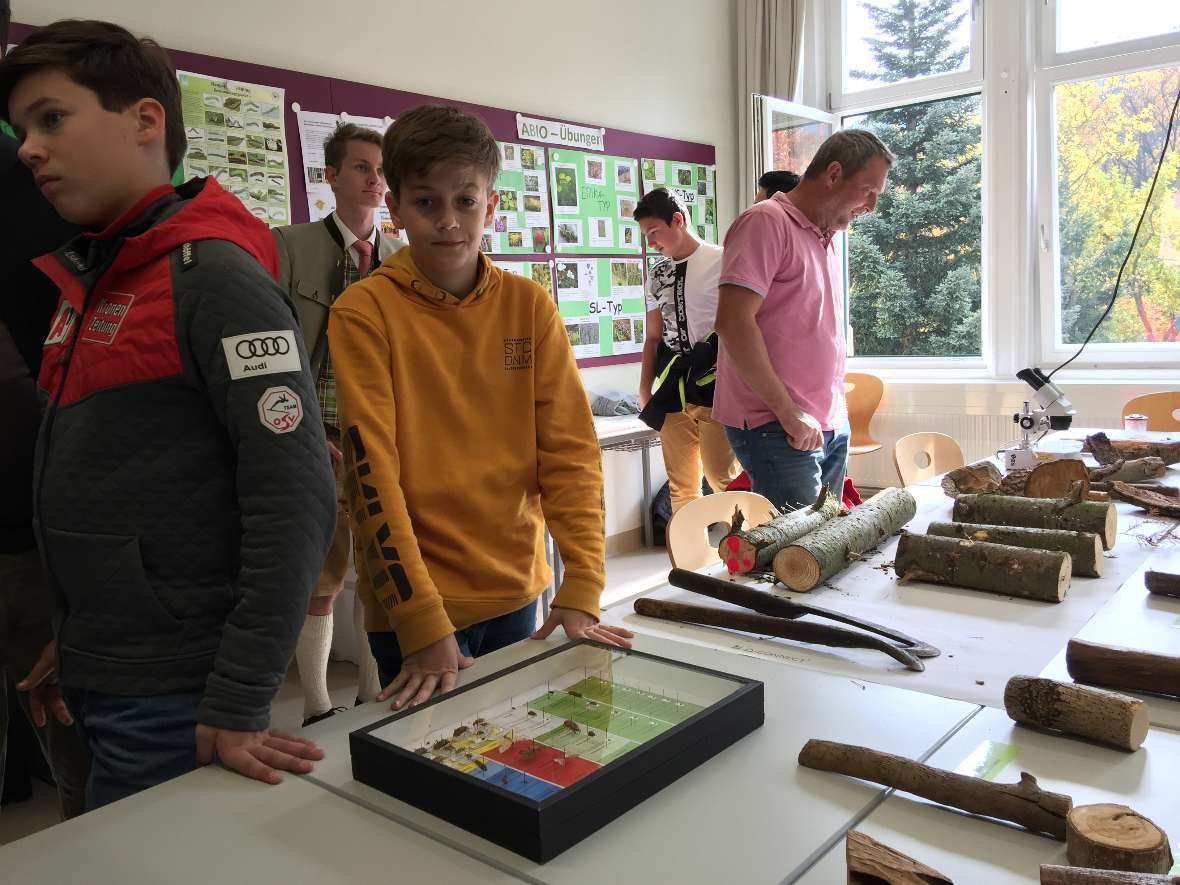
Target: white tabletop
point(968, 849)
point(984, 638)
point(750, 806)
point(1137, 619)
point(621, 428)
point(213, 826)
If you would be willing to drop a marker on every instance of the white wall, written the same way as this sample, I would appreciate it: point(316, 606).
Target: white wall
point(663, 67)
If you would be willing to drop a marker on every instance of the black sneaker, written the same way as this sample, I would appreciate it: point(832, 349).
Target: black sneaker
point(320, 717)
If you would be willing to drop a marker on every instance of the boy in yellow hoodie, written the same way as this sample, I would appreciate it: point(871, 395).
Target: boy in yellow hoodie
point(465, 426)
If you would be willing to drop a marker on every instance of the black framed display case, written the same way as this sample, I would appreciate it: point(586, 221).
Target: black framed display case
point(538, 756)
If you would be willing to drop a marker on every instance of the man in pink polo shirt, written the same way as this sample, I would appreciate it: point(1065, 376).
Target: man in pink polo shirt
point(780, 370)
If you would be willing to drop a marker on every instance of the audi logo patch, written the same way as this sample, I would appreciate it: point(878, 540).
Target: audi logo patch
point(261, 353)
point(270, 346)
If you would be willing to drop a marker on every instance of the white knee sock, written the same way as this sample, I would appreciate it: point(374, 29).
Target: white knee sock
point(368, 685)
point(311, 654)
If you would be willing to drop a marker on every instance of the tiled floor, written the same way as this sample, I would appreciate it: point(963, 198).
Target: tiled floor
point(627, 574)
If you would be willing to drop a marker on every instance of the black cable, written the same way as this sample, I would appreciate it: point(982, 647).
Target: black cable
point(1135, 236)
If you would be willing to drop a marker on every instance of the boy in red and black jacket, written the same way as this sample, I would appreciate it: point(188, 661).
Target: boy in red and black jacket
point(183, 494)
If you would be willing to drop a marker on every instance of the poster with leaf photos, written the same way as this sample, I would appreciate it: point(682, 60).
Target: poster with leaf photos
point(601, 303)
point(694, 184)
point(521, 220)
point(594, 197)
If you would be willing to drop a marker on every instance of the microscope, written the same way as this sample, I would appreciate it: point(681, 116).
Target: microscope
point(1052, 411)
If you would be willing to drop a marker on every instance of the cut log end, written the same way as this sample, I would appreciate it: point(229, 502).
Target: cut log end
point(1115, 837)
point(798, 569)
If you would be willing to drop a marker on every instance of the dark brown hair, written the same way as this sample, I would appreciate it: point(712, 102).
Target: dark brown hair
point(434, 133)
point(108, 60)
point(337, 143)
point(662, 204)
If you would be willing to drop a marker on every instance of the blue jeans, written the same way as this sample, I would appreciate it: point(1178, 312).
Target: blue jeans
point(135, 742)
point(478, 639)
point(787, 476)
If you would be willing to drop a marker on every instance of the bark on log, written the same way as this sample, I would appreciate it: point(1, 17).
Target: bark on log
point(745, 551)
point(1114, 837)
point(1040, 513)
point(766, 625)
point(1153, 502)
point(1023, 803)
point(1168, 452)
point(1168, 491)
point(1162, 583)
point(1099, 445)
point(817, 556)
point(1057, 875)
point(874, 863)
point(1099, 497)
point(1138, 470)
point(1123, 669)
point(980, 478)
point(977, 565)
point(1112, 719)
point(1084, 548)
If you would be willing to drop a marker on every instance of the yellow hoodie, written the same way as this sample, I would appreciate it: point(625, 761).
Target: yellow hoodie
point(466, 429)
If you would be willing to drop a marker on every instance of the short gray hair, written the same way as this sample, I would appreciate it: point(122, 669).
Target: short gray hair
point(852, 149)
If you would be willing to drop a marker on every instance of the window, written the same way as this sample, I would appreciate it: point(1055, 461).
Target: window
point(914, 284)
point(914, 264)
point(887, 47)
point(1101, 124)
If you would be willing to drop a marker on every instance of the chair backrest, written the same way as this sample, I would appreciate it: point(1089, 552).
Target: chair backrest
point(688, 530)
point(1162, 409)
point(920, 456)
point(863, 393)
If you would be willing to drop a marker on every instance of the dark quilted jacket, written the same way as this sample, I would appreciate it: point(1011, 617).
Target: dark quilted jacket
point(183, 492)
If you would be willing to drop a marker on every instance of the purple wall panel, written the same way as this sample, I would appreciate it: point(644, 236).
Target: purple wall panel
point(317, 93)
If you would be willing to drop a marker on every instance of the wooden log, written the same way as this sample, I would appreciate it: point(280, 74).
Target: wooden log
point(1138, 470)
point(874, 863)
point(1054, 479)
point(1112, 719)
point(745, 551)
point(1162, 583)
point(1058, 875)
point(767, 625)
point(978, 565)
point(1107, 836)
point(982, 477)
point(1123, 669)
point(1023, 803)
point(1148, 500)
point(1084, 548)
point(1040, 513)
point(1168, 452)
point(1100, 497)
point(817, 556)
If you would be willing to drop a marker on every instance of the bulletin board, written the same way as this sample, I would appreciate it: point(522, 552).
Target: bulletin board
point(532, 257)
point(694, 184)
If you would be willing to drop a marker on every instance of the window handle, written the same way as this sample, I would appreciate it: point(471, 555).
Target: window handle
point(1044, 239)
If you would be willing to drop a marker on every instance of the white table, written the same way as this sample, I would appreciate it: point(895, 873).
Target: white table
point(213, 826)
point(750, 814)
point(975, 850)
point(984, 638)
point(1137, 619)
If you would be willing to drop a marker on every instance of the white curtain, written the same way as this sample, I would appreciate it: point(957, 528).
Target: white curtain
point(770, 52)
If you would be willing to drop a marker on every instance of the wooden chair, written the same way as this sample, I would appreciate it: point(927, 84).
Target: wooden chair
point(1161, 409)
point(688, 530)
point(863, 393)
point(920, 456)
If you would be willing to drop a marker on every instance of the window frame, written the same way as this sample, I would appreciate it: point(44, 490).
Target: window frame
point(1050, 57)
